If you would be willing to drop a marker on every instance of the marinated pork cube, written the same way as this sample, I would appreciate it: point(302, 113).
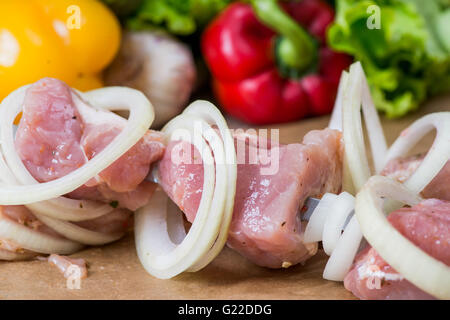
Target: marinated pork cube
point(59, 132)
point(266, 226)
point(427, 225)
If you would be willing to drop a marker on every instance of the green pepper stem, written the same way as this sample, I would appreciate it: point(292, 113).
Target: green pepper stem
point(296, 48)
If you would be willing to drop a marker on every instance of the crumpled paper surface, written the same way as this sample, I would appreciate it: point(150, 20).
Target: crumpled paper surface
point(115, 271)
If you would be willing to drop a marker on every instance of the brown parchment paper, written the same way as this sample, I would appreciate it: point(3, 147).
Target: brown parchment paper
point(115, 271)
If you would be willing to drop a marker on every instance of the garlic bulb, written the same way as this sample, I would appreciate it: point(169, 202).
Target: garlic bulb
point(159, 66)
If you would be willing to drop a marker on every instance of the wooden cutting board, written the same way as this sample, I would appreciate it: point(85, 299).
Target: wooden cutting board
point(115, 272)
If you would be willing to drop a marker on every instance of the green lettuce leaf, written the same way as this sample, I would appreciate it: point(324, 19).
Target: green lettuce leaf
point(407, 58)
point(179, 17)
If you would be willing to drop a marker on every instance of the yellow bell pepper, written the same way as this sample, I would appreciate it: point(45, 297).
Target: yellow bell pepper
point(72, 40)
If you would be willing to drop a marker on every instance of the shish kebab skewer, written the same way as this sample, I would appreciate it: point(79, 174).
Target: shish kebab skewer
point(305, 211)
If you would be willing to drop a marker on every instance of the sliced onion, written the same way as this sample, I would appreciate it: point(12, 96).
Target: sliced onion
point(336, 116)
point(378, 145)
point(216, 208)
point(425, 272)
point(314, 227)
point(175, 223)
point(357, 92)
point(18, 187)
point(76, 233)
point(347, 180)
point(437, 156)
point(354, 148)
point(113, 98)
point(61, 208)
point(159, 255)
point(356, 171)
point(213, 116)
point(336, 123)
point(354, 94)
point(334, 224)
point(33, 240)
point(326, 225)
point(344, 253)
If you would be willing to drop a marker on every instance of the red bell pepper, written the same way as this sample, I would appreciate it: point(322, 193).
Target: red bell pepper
point(266, 68)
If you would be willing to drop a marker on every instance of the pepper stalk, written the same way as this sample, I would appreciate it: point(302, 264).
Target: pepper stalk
point(296, 49)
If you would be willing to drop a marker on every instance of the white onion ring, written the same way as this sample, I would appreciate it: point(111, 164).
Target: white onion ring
point(113, 98)
point(353, 135)
point(60, 208)
point(347, 180)
point(175, 223)
point(18, 186)
point(211, 114)
point(425, 272)
point(326, 224)
point(76, 233)
point(336, 116)
point(332, 229)
point(437, 156)
point(63, 208)
point(314, 227)
point(344, 253)
point(159, 255)
point(357, 92)
point(378, 145)
point(36, 241)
